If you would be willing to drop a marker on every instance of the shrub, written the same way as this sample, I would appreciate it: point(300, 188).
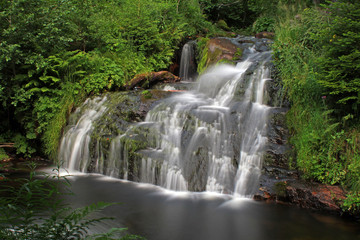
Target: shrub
point(263, 24)
point(313, 52)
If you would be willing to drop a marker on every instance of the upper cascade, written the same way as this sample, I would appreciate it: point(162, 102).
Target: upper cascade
point(210, 138)
point(187, 70)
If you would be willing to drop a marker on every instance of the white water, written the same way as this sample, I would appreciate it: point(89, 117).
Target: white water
point(74, 146)
point(187, 65)
point(211, 138)
point(210, 104)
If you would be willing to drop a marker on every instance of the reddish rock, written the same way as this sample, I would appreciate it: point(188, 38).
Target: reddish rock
point(147, 80)
point(174, 68)
point(221, 48)
point(315, 196)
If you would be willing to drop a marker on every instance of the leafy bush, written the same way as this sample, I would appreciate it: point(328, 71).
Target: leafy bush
point(235, 13)
point(51, 51)
point(338, 65)
point(312, 67)
point(223, 25)
point(3, 154)
point(263, 24)
point(352, 203)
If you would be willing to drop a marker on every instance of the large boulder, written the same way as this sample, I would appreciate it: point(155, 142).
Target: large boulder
point(221, 48)
point(218, 50)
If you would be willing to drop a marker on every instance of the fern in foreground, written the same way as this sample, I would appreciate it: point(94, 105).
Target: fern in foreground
point(31, 208)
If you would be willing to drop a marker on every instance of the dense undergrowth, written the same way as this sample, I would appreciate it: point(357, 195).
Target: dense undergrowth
point(317, 53)
point(54, 53)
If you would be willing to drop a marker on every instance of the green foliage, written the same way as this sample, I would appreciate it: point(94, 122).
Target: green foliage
point(147, 94)
point(55, 53)
point(264, 24)
point(114, 232)
point(338, 39)
point(202, 54)
point(22, 145)
point(234, 13)
point(317, 78)
point(241, 14)
point(238, 54)
point(223, 25)
point(3, 154)
point(352, 203)
point(31, 208)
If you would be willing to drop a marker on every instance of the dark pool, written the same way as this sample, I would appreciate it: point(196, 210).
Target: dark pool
point(158, 214)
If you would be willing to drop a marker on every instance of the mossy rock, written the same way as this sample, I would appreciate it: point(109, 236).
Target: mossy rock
point(222, 25)
point(217, 50)
point(280, 189)
point(147, 80)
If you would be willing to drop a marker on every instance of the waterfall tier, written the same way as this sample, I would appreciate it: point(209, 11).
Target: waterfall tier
point(210, 138)
point(187, 62)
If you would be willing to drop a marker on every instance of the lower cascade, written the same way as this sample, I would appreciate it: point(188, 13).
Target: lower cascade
point(209, 138)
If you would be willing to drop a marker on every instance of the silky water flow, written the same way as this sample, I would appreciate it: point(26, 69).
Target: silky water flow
point(210, 138)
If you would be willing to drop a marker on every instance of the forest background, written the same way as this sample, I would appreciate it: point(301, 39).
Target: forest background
point(56, 53)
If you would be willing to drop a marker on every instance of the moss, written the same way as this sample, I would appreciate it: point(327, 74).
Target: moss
point(226, 61)
point(222, 25)
point(280, 189)
point(203, 63)
point(146, 94)
point(52, 135)
point(3, 154)
point(238, 54)
point(209, 57)
point(202, 56)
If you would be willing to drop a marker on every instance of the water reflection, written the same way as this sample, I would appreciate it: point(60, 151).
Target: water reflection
point(159, 214)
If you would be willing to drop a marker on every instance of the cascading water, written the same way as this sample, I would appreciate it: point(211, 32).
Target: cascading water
point(211, 138)
point(187, 62)
point(208, 139)
point(74, 151)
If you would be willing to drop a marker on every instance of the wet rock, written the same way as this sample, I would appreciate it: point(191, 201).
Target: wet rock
point(269, 35)
point(315, 196)
point(262, 45)
point(221, 48)
point(123, 109)
point(277, 153)
point(147, 80)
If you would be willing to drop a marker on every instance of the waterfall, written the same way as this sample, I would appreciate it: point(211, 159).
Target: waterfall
point(74, 145)
point(211, 138)
point(187, 62)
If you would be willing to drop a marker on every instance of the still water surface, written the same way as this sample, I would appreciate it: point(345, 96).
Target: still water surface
point(159, 214)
